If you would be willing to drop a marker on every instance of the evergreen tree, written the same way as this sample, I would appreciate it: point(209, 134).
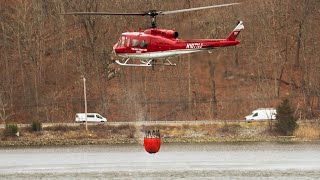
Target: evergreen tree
point(286, 122)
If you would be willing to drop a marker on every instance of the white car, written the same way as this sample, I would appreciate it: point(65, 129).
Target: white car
point(91, 117)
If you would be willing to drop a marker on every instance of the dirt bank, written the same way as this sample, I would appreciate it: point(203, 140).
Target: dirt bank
point(179, 133)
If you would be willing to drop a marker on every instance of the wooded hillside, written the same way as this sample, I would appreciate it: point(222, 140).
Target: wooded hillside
point(44, 54)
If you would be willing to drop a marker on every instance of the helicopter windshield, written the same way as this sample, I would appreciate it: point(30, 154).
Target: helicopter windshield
point(121, 41)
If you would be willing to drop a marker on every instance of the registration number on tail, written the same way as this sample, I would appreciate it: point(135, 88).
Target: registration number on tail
point(194, 45)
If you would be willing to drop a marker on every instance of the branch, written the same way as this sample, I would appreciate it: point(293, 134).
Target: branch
point(268, 78)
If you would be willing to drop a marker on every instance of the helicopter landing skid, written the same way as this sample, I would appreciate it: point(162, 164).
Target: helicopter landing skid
point(125, 63)
point(144, 63)
point(169, 63)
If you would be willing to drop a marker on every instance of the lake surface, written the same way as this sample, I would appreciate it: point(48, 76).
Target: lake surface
point(173, 161)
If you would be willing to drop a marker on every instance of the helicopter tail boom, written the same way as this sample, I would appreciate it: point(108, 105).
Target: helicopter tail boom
point(233, 35)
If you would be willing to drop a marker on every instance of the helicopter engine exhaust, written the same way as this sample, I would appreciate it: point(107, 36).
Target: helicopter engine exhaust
point(170, 34)
point(175, 34)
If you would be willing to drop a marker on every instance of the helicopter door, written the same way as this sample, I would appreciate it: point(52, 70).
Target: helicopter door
point(128, 40)
point(144, 44)
point(135, 43)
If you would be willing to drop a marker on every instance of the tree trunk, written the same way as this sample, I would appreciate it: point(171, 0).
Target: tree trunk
point(21, 68)
point(213, 84)
point(8, 83)
point(236, 59)
point(297, 60)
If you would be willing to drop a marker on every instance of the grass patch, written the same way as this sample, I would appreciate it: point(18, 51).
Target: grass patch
point(254, 124)
point(229, 128)
point(308, 132)
point(62, 128)
point(99, 127)
point(186, 126)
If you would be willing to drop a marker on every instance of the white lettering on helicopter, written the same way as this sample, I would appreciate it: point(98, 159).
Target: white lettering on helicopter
point(194, 45)
point(138, 50)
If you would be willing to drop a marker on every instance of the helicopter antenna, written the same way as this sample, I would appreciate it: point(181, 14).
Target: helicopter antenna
point(152, 13)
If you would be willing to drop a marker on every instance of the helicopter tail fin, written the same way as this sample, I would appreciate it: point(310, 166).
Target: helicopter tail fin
point(233, 35)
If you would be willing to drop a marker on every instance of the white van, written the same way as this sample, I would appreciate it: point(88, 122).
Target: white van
point(262, 114)
point(91, 117)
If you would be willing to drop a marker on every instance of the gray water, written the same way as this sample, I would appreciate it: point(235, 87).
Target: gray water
point(174, 161)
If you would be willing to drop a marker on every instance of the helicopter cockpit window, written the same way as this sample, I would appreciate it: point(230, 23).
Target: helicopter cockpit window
point(128, 42)
point(121, 41)
point(135, 43)
point(144, 44)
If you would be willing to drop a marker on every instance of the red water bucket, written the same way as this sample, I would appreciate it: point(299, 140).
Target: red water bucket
point(152, 141)
point(152, 145)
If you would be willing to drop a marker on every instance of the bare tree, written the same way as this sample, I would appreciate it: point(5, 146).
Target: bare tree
point(4, 108)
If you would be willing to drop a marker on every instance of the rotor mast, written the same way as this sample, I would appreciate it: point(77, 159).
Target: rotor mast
point(153, 22)
point(153, 14)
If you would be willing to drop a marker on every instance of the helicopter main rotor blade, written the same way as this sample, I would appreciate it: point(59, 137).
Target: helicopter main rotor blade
point(195, 9)
point(152, 13)
point(105, 13)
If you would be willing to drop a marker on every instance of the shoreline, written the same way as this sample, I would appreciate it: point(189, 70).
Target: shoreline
point(114, 141)
point(61, 135)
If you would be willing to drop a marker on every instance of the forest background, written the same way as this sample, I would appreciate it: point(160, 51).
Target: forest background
point(43, 56)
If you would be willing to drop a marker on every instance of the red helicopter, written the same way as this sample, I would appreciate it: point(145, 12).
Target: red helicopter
point(154, 44)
